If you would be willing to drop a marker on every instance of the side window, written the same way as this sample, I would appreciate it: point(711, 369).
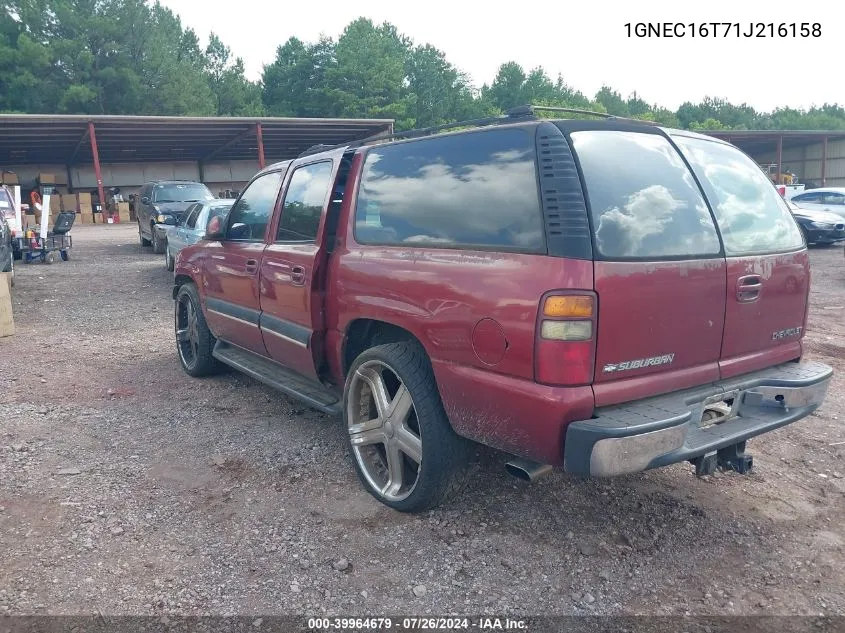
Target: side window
point(473, 191)
point(186, 216)
point(752, 216)
point(304, 202)
point(192, 218)
point(643, 199)
point(251, 213)
point(833, 198)
point(807, 197)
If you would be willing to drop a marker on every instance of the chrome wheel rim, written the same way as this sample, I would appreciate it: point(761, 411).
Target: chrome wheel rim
point(384, 430)
point(187, 335)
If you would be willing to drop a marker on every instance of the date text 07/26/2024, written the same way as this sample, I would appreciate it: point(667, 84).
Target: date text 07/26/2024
point(723, 29)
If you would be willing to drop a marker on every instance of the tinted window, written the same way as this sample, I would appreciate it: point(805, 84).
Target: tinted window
point(643, 199)
point(181, 193)
point(189, 218)
point(252, 211)
point(752, 215)
point(807, 197)
point(833, 198)
point(471, 190)
point(304, 201)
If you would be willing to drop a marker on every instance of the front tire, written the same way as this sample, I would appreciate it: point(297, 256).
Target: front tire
point(194, 341)
point(144, 241)
point(405, 451)
point(158, 243)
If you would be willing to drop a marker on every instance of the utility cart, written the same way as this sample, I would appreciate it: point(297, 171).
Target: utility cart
point(56, 246)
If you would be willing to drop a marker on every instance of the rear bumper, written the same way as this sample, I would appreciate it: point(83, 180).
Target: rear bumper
point(665, 430)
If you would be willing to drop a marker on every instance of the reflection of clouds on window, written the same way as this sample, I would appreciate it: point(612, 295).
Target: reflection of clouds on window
point(643, 198)
point(750, 212)
point(645, 214)
point(477, 189)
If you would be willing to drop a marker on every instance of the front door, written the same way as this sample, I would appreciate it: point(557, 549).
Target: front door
point(232, 266)
point(291, 270)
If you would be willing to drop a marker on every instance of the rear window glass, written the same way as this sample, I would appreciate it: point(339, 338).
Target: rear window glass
point(643, 199)
point(463, 191)
point(752, 215)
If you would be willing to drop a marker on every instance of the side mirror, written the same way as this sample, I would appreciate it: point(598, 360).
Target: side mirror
point(215, 231)
point(145, 200)
point(169, 220)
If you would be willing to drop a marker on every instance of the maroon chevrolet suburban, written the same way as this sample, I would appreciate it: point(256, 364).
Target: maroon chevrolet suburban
point(601, 296)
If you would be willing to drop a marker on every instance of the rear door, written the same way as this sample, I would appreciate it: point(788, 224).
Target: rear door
point(768, 268)
point(660, 274)
point(232, 266)
point(292, 271)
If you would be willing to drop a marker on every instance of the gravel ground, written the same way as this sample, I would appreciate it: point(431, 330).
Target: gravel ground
point(127, 487)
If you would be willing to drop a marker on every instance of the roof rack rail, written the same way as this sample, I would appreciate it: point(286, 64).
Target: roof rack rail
point(604, 115)
point(509, 117)
point(514, 114)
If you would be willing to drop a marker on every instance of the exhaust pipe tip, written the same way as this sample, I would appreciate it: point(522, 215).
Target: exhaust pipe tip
point(526, 470)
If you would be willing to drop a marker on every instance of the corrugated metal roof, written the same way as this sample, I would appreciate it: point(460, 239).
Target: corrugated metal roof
point(29, 139)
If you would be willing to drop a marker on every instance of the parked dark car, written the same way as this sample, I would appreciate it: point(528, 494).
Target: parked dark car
point(7, 210)
point(7, 252)
point(603, 297)
point(819, 227)
point(164, 202)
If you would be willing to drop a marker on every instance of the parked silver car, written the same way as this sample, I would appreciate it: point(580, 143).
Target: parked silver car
point(192, 226)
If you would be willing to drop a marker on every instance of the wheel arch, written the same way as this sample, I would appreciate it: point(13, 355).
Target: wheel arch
point(364, 333)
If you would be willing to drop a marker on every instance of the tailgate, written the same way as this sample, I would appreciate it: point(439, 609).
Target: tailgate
point(768, 270)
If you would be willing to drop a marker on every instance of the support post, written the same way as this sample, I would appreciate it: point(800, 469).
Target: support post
point(259, 134)
point(824, 161)
point(780, 157)
point(97, 172)
point(201, 170)
point(69, 179)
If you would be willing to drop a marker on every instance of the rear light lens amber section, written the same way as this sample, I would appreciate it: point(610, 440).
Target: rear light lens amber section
point(566, 343)
point(573, 306)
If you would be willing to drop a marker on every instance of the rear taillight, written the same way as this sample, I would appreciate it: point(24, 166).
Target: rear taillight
point(566, 338)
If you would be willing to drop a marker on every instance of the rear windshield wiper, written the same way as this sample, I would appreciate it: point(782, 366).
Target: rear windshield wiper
point(164, 201)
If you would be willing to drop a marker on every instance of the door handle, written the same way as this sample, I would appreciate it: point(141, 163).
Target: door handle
point(251, 265)
point(748, 288)
point(297, 275)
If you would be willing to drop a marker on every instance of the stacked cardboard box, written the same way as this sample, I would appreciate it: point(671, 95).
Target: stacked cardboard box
point(69, 203)
point(123, 212)
point(85, 209)
point(8, 178)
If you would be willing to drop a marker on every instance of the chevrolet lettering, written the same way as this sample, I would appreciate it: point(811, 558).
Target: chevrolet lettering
point(640, 363)
point(793, 331)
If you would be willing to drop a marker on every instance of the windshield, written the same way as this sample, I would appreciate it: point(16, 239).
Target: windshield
point(181, 193)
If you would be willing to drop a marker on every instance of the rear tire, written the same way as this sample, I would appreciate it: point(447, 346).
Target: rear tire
point(144, 241)
point(158, 243)
point(405, 451)
point(194, 341)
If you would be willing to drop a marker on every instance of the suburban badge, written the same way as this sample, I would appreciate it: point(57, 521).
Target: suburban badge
point(640, 363)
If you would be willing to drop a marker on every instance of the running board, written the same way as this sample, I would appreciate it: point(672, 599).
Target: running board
point(280, 378)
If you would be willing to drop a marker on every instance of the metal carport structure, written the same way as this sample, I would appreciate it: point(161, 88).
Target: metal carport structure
point(31, 139)
point(756, 142)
